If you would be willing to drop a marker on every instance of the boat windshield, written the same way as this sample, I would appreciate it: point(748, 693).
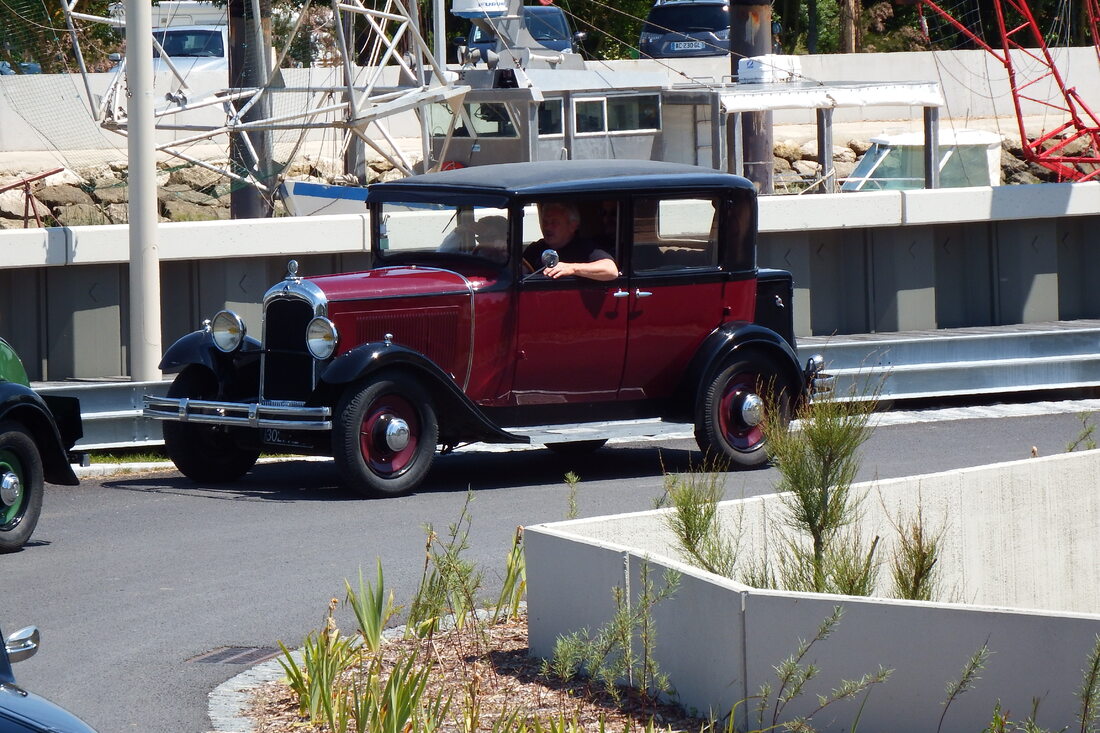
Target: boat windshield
point(439, 229)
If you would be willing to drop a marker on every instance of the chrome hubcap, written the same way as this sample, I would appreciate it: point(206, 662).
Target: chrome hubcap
point(10, 489)
point(752, 409)
point(397, 434)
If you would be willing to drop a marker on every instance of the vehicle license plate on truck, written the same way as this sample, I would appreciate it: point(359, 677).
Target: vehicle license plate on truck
point(687, 45)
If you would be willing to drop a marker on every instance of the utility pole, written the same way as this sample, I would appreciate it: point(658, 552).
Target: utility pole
point(751, 35)
point(249, 41)
point(145, 339)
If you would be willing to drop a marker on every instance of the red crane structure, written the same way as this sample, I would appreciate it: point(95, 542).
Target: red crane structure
point(1059, 149)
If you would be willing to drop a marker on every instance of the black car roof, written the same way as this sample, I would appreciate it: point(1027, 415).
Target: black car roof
point(563, 176)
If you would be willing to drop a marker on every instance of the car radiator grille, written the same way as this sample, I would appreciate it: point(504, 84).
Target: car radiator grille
point(288, 366)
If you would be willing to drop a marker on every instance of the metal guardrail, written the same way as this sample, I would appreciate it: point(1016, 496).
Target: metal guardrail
point(965, 361)
point(950, 362)
point(111, 411)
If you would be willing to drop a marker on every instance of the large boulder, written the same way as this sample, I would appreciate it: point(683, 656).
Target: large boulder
point(13, 204)
point(78, 215)
point(63, 195)
point(179, 210)
point(117, 193)
point(196, 177)
point(787, 150)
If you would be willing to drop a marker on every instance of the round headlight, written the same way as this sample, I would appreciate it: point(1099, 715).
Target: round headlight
point(227, 330)
point(321, 337)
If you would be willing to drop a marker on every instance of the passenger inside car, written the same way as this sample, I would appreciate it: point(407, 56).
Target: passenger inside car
point(578, 255)
point(492, 238)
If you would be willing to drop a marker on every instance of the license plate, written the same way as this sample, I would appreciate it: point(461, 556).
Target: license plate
point(687, 45)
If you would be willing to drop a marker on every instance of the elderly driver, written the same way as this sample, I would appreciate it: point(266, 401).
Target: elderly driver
point(577, 255)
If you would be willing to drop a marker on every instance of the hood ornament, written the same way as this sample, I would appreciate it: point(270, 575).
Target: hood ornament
point(292, 270)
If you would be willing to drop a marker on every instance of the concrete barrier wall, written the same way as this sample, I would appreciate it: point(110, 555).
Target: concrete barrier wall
point(1018, 537)
point(882, 261)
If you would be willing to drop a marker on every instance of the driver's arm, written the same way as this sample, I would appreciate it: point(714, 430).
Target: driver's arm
point(602, 269)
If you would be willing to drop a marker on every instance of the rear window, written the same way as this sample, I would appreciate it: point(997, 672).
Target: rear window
point(194, 43)
point(687, 18)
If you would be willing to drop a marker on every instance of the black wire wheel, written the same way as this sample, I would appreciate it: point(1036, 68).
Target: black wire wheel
point(384, 435)
point(731, 412)
point(204, 453)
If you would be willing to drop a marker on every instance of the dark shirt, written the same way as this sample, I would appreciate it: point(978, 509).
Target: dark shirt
point(579, 249)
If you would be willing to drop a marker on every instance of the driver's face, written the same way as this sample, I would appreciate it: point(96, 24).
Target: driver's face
point(558, 226)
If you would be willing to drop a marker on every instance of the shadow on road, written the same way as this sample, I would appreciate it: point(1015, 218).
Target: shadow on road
point(295, 480)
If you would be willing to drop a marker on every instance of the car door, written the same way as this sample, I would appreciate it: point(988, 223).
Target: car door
point(677, 289)
point(571, 332)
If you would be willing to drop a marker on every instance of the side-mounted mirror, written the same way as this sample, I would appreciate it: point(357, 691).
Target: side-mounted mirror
point(23, 644)
point(549, 259)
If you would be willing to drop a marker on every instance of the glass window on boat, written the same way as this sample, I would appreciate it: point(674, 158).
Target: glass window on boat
point(634, 112)
point(424, 228)
point(590, 115)
point(489, 119)
point(550, 117)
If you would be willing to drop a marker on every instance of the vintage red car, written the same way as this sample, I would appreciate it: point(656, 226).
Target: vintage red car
point(549, 302)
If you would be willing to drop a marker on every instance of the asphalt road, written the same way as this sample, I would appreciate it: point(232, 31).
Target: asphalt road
point(131, 578)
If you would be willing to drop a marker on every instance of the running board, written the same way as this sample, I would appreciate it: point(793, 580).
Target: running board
point(618, 430)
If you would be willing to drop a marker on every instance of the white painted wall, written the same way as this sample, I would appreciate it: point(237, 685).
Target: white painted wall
point(1018, 537)
point(974, 84)
point(350, 232)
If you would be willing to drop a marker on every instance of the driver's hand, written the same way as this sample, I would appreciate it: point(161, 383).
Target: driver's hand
point(562, 269)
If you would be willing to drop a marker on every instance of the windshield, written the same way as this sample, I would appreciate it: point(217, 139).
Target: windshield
point(415, 228)
point(542, 27)
point(193, 43)
point(688, 18)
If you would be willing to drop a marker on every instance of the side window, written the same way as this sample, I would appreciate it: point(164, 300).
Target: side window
point(579, 230)
point(675, 234)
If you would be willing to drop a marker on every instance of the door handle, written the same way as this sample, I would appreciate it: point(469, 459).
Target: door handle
point(642, 293)
point(620, 293)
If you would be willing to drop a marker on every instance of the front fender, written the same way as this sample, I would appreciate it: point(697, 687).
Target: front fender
point(23, 405)
point(722, 343)
point(460, 419)
point(237, 373)
point(198, 347)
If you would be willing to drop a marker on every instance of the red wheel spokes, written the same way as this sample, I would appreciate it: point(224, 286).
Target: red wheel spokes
point(377, 453)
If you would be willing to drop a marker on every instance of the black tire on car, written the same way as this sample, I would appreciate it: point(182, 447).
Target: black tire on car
point(730, 411)
point(384, 435)
point(576, 448)
point(21, 484)
point(204, 453)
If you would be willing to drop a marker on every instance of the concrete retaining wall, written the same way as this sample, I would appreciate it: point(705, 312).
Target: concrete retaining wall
point(913, 259)
point(1018, 537)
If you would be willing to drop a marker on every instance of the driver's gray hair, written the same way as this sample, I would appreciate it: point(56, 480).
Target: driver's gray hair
point(569, 208)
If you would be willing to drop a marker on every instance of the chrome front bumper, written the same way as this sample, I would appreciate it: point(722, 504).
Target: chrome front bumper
point(819, 384)
point(282, 415)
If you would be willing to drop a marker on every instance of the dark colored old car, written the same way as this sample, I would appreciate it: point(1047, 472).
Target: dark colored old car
point(36, 434)
point(22, 711)
point(453, 338)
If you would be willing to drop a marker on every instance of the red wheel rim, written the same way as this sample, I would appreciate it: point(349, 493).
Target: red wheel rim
point(378, 454)
point(738, 434)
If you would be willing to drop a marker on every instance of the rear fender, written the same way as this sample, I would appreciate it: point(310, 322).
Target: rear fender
point(23, 405)
point(460, 420)
point(722, 344)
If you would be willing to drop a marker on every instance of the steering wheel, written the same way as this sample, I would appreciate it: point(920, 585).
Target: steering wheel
point(527, 268)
